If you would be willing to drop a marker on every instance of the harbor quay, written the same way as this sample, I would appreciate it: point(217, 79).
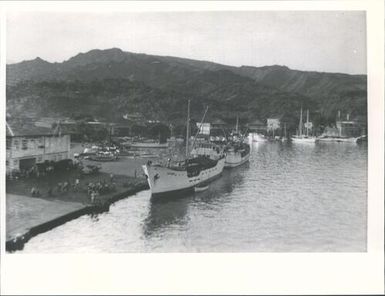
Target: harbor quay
point(38, 204)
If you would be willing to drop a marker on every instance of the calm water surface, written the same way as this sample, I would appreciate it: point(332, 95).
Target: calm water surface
point(288, 198)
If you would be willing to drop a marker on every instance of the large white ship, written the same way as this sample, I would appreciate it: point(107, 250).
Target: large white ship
point(182, 176)
point(203, 164)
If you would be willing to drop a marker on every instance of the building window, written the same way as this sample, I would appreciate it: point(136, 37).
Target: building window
point(8, 143)
point(40, 158)
point(40, 143)
point(16, 144)
point(24, 144)
point(7, 162)
point(15, 162)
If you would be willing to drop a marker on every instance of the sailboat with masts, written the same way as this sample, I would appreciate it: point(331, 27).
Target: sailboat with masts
point(197, 170)
point(301, 137)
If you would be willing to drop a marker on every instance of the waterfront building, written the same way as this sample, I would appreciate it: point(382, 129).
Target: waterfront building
point(217, 128)
point(256, 126)
point(129, 124)
point(346, 128)
point(272, 125)
point(28, 145)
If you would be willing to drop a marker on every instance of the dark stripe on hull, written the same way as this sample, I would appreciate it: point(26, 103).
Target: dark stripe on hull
point(189, 190)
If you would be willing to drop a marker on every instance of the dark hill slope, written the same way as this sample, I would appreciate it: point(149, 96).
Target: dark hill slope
point(109, 83)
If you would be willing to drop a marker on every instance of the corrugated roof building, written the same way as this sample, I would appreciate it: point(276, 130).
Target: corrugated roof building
point(28, 144)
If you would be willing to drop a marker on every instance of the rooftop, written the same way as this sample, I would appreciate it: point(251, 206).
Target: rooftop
point(256, 122)
point(17, 127)
point(218, 122)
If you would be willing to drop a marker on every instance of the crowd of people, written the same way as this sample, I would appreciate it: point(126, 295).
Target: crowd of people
point(46, 168)
point(65, 179)
point(51, 172)
point(101, 187)
point(93, 189)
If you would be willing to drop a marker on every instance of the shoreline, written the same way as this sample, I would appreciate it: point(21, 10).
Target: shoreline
point(18, 242)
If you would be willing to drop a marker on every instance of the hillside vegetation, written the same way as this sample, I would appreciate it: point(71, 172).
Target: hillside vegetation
point(107, 84)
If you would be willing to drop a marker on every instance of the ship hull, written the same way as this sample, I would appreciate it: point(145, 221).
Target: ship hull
point(304, 140)
point(149, 145)
point(166, 181)
point(234, 160)
point(339, 140)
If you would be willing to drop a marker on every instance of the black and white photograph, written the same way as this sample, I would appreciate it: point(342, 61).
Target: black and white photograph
point(187, 131)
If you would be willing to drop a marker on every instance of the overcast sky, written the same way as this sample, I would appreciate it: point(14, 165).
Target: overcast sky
point(312, 41)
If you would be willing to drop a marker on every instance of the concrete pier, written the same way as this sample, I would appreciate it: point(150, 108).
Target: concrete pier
point(28, 217)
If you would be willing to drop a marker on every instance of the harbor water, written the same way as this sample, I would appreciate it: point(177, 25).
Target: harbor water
point(287, 198)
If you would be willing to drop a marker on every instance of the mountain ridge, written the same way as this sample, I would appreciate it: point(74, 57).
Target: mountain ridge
point(253, 92)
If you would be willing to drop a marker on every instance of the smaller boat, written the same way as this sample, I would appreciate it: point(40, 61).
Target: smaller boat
point(237, 151)
point(148, 144)
point(201, 188)
point(104, 156)
point(362, 139)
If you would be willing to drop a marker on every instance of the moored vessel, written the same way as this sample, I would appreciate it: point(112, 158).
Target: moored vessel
point(237, 154)
point(200, 167)
point(182, 176)
point(237, 151)
point(148, 144)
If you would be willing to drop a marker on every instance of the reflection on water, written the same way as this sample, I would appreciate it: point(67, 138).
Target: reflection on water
point(167, 211)
point(288, 198)
point(163, 213)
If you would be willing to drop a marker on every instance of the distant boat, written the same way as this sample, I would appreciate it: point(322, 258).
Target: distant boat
point(148, 144)
point(103, 157)
point(300, 137)
point(237, 151)
point(362, 139)
point(198, 168)
point(237, 154)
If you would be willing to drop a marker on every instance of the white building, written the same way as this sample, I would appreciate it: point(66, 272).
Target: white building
point(28, 145)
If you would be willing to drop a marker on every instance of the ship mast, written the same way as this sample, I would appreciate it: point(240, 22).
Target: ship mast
point(307, 123)
point(300, 124)
point(188, 129)
point(236, 126)
point(200, 126)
